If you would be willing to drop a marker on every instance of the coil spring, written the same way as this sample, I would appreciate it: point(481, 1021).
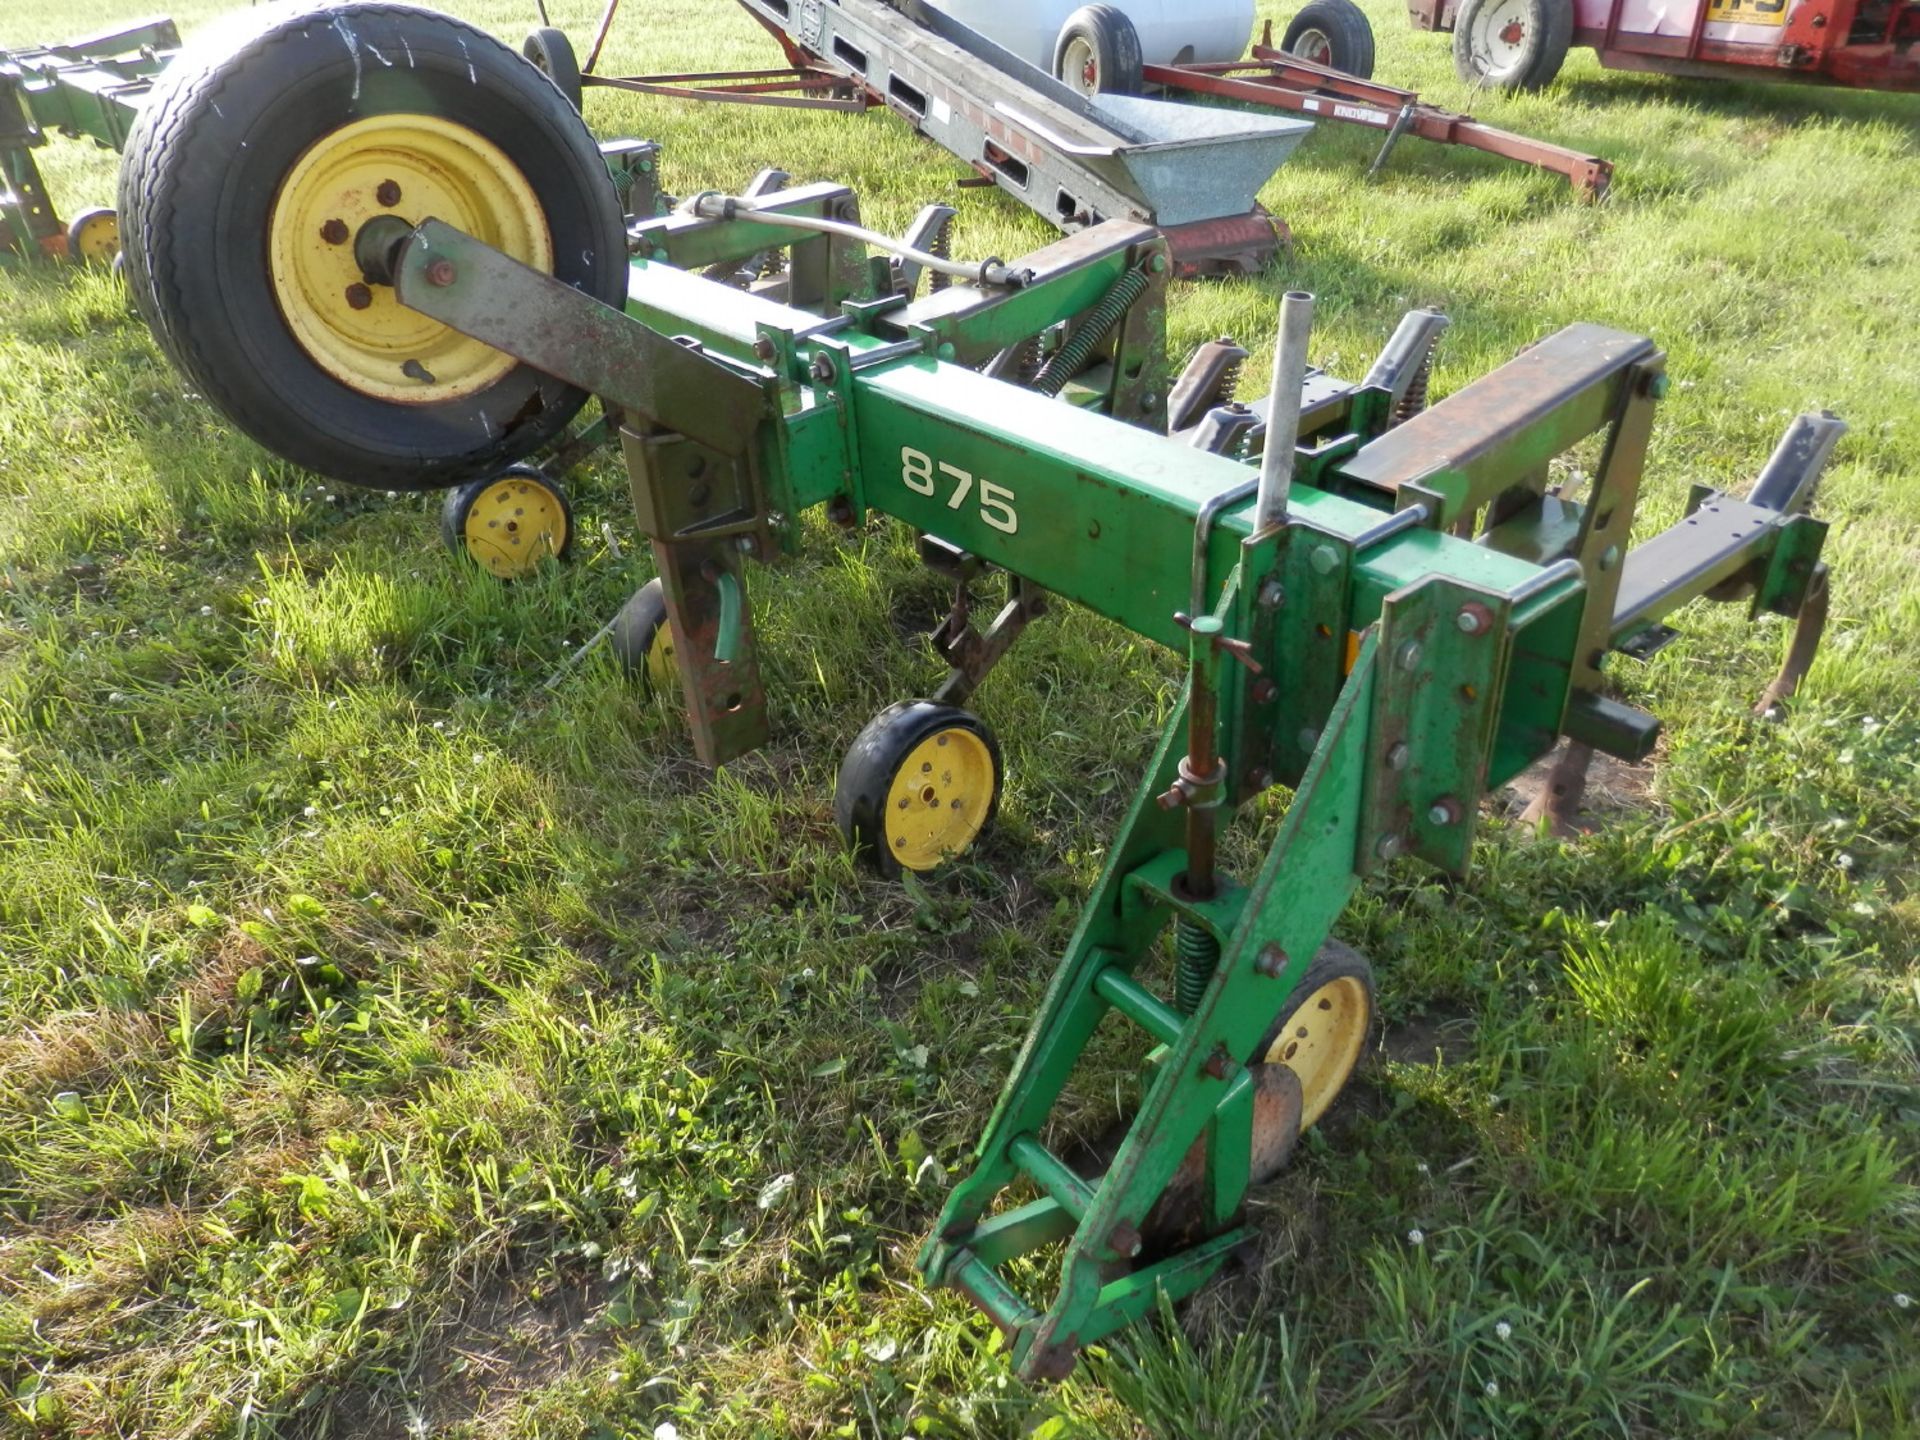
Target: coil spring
point(1198, 956)
point(941, 244)
point(1068, 360)
point(1229, 382)
point(1415, 400)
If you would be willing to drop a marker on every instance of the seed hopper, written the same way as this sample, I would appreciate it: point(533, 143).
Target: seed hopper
point(1382, 607)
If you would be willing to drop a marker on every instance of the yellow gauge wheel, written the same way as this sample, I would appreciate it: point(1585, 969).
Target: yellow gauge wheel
point(94, 237)
point(641, 639)
point(918, 786)
point(1322, 1028)
point(384, 172)
point(510, 523)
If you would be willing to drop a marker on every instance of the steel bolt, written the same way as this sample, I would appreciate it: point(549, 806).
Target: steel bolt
point(1218, 1065)
point(1158, 264)
point(334, 232)
point(1388, 847)
point(1474, 618)
point(1149, 400)
point(1272, 595)
point(746, 544)
point(1308, 738)
point(388, 194)
point(440, 272)
point(1609, 557)
point(1265, 692)
point(1444, 811)
point(359, 296)
point(765, 349)
point(1271, 962)
point(1398, 755)
point(1124, 1240)
point(1408, 655)
point(1658, 384)
point(823, 369)
point(1324, 559)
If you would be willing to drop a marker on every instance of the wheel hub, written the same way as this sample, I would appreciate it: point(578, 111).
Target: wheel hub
point(514, 524)
point(1321, 1043)
point(939, 798)
point(342, 209)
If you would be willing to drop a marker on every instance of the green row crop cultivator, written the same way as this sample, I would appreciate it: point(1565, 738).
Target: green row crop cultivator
point(385, 246)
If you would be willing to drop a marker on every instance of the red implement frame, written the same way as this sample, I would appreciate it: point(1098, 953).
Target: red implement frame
point(1859, 44)
point(1282, 81)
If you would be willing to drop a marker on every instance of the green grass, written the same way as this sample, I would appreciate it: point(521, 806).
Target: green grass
point(392, 1042)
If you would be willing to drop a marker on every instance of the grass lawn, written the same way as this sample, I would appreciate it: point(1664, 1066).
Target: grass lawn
point(400, 1034)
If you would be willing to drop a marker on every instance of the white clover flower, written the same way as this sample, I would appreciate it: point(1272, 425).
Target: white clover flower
point(1416, 1237)
point(1903, 1300)
point(206, 609)
point(666, 1430)
point(1503, 1330)
point(1492, 1387)
point(311, 811)
point(1423, 1168)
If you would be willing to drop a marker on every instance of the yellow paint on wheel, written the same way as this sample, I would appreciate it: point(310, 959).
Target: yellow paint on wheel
point(940, 798)
point(410, 167)
point(663, 671)
point(95, 238)
point(513, 525)
point(1321, 1043)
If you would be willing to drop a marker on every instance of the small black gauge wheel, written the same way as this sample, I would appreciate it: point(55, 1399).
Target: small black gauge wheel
point(509, 524)
point(552, 55)
point(918, 786)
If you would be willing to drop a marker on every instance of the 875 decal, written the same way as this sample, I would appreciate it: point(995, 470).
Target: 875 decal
point(924, 475)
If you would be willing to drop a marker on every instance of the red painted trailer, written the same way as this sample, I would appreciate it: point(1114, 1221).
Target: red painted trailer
point(1521, 44)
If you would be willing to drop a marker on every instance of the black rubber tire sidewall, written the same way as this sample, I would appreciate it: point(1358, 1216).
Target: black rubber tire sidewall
point(867, 772)
point(205, 161)
point(1116, 48)
point(1549, 34)
point(552, 55)
point(1349, 34)
point(635, 627)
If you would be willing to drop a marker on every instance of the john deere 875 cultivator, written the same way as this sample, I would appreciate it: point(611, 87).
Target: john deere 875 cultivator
point(385, 245)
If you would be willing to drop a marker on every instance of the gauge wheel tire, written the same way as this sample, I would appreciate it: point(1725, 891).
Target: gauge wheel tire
point(1333, 33)
point(642, 640)
point(552, 55)
point(1320, 1031)
point(1098, 52)
point(1511, 44)
point(509, 524)
point(918, 787)
point(253, 152)
point(94, 238)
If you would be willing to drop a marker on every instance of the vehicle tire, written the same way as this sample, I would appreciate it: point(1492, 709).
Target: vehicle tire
point(552, 55)
point(642, 640)
point(1098, 52)
point(1511, 44)
point(94, 238)
point(509, 524)
point(1333, 33)
point(918, 786)
point(257, 162)
point(1320, 1029)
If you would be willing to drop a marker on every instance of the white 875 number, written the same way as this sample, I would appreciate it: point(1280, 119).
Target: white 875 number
point(923, 475)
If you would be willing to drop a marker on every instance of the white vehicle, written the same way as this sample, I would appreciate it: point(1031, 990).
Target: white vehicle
point(1097, 48)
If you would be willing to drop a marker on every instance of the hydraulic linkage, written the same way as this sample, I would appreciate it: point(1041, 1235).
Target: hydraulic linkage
point(1384, 607)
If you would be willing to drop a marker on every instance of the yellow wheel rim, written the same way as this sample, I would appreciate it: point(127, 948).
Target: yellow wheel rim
point(939, 798)
point(514, 524)
point(1321, 1043)
point(96, 239)
point(663, 671)
point(411, 167)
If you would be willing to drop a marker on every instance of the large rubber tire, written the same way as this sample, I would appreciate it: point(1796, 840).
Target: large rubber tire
point(1334, 33)
point(1511, 44)
point(228, 123)
point(1101, 49)
point(552, 55)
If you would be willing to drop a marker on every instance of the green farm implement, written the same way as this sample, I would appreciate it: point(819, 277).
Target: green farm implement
point(89, 89)
point(415, 270)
